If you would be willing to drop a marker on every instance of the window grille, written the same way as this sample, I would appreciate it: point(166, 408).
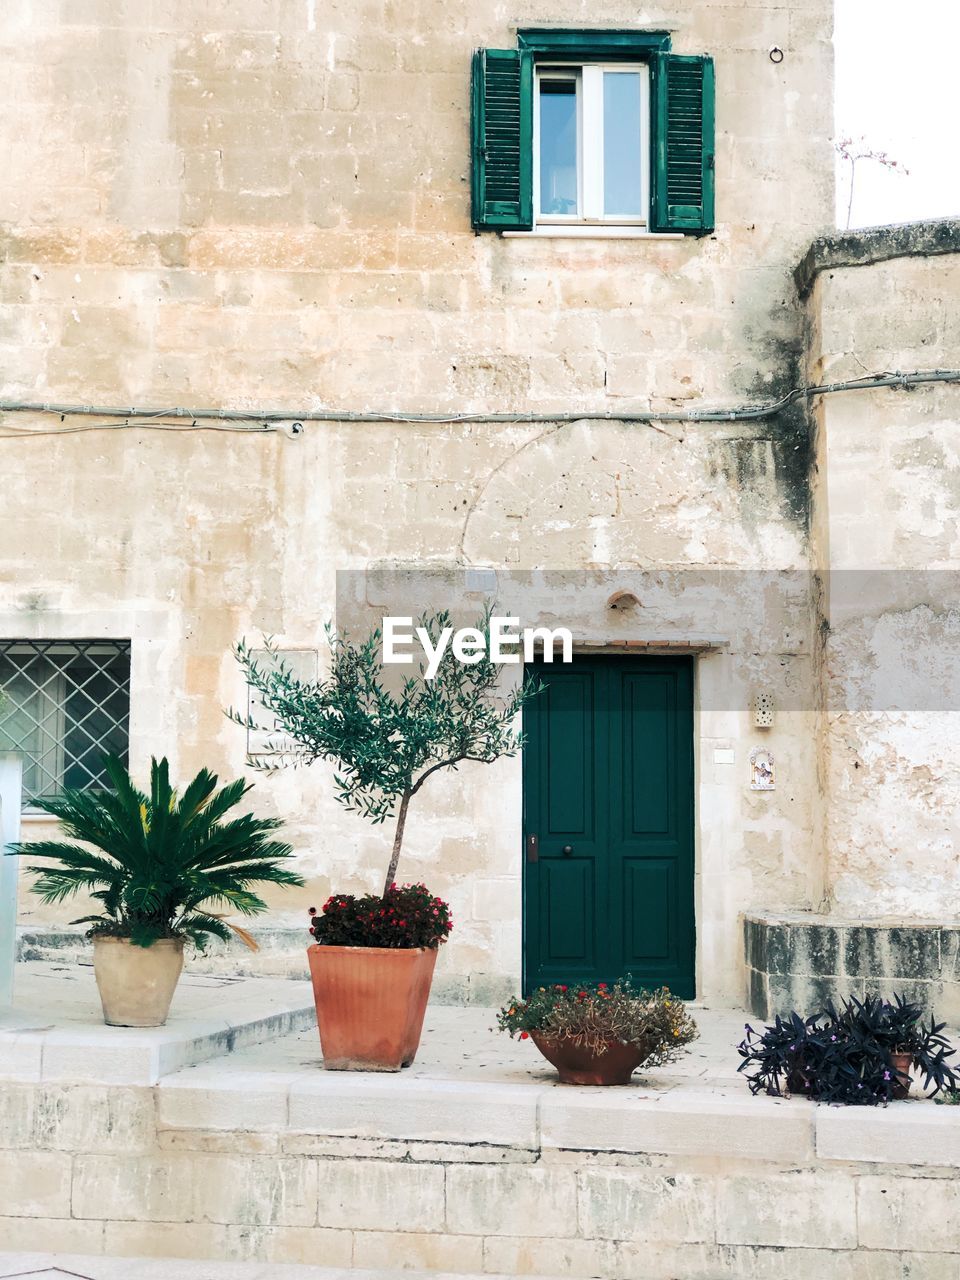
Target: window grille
point(64, 705)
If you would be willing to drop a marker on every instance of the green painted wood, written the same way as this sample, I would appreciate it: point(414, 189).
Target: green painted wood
point(682, 102)
point(502, 140)
point(608, 774)
point(588, 45)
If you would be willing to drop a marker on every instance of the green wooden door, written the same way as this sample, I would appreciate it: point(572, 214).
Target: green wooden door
point(608, 823)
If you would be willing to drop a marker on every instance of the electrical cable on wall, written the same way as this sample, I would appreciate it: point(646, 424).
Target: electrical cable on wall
point(271, 421)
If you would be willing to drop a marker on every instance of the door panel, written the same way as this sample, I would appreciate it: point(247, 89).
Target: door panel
point(608, 791)
point(649, 917)
point(648, 746)
point(564, 758)
point(567, 889)
point(571, 778)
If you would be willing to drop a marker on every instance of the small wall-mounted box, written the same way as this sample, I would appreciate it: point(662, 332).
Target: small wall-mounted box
point(763, 709)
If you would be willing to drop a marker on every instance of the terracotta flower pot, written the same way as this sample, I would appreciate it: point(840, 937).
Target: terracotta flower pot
point(901, 1063)
point(136, 984)
point(370, 1003)
point(579, 1065)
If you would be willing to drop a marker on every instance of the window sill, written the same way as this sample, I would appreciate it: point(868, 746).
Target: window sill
point(553, 231)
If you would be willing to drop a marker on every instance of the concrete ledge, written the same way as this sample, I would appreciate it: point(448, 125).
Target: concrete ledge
point(506, 1107)
point(340, 1105)
point(431, 1121)
point(862, 247)
point(797, 960)
point(682, 1123)
point(914, 1135)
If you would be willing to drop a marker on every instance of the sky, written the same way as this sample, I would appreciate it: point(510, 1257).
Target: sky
point(897, 80)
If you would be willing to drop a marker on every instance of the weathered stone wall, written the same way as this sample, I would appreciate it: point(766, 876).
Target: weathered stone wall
point(886, 527)
point(267, 205)
point(270, 204)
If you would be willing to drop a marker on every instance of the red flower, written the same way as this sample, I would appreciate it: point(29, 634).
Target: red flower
point(562, 988)
point(524, 1035)
point(601, 986)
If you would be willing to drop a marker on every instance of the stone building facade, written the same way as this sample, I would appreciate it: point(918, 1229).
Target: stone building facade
point(268, 207)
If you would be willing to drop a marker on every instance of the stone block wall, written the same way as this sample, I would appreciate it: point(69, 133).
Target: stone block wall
point(796, 962)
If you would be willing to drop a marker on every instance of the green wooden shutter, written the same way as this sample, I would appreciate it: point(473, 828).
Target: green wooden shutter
point(502, 134)
point(682, 96)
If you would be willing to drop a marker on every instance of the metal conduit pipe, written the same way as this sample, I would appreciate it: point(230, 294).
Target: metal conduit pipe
point(743, 413)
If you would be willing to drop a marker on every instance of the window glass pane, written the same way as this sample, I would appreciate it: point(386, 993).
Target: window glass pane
point(621, 143)
point(96, 722)
point(24, 725)
point(558, 146)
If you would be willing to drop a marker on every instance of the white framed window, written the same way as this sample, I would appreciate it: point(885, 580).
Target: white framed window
point(591, 144)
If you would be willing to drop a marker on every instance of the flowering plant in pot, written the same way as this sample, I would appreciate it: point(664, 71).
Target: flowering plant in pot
point(371, 973)
point(159, 863)
point(601, 1033)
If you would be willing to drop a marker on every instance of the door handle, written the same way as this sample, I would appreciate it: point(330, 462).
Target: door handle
point(567, 850)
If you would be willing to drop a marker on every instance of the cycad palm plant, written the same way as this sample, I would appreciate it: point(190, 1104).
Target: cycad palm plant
point(161, 864)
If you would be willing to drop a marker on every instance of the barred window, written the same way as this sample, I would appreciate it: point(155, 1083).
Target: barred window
point(64, 705)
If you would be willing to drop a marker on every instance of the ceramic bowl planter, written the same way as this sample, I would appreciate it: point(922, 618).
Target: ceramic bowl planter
point(600, 1033)
point(371, 1003)
point(578, 1064)
point(136, 984)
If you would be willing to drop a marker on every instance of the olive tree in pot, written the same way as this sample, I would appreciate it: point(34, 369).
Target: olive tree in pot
point(160, 864)
point(373, 959)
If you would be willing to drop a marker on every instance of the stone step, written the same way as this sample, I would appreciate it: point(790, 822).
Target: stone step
point(55, 1034)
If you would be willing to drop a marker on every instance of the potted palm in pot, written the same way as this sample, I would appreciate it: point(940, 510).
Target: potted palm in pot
point(373, 958)
point(160, 864)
